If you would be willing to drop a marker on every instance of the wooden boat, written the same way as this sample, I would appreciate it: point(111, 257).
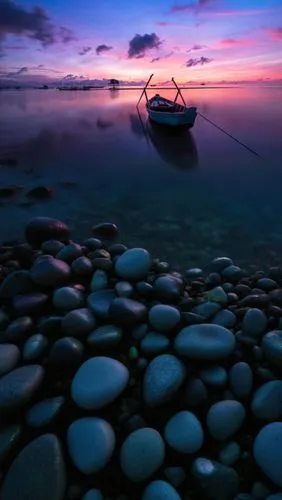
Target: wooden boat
point(169, 113)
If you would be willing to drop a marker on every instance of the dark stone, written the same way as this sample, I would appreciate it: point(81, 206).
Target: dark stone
point(220, 263)
point(69, 253)
point(195, 394)
point(276, 297)
point(193, 273)
point(168, 288)
point(19, 386)
point(19, 329)
point(52, 247)
point(82, 266)
point(50, 272)
point(259, 301)
point(267, 284)
point(117, 249)
point(9, 436)
point(41, 229)
point(93, 244)
point(38, 472)
point(190, 318)
point(29, 303)
point(144, 288)
point(232, 273)
point(16, 283)
point(51, 325)
point(44, 412)
point(105, 230)
point(232, 298)
point(213, 480)
point(99, 302)
point(66, 353)
point(162, 267)
point(40, 193)
point(105, 337)
point(275, 311)
point(127, 312)
point(9, 358)
point(102, 263)
point(213, 280)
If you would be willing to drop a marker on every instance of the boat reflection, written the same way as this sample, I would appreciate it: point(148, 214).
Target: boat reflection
point(175, 147)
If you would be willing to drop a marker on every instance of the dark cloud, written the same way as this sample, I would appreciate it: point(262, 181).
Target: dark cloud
point(84, 51)
point(71, 77)
point(156, 59)
point(139, 45)
point(102, 48)
point(196, 47)
point(198, 62)
point(34, 23)
point(19, 72)
point(196, 5)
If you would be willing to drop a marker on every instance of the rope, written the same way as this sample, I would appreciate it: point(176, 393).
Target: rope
point(232, 136)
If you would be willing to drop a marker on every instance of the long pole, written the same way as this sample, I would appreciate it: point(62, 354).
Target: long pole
point(144, 90)
point(178, 92)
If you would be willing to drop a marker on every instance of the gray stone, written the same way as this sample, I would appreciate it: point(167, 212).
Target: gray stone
point(50, 272)
point(241, 379)
point(124, 289)
point(225, 418)
point(272, 347)
point(99, 281)
point(9, 437)
point(128, 312)
point(82, 266)
point(164, 317)
point(93, 494)
point(154, 343)
point(220, 263)
point(79, 322)
point(134, 264)
point(19, 386)
point(38, 472)
point(194, 273)
point(214, 481)
point(163, 377)
point(70, 252)
point(214, 375)
point(15, 283)
point(68, 298)
point(9, 358)
point(268, 451)
point(184, 432)
point(44, 412)
point(34, 347)
point(232, 273)
point(99, 302)
point(267, 401)
point(196, 393)
point(91, 443)
point(105, 336)
point(229, 453)
point(168, 288)
point(160, 490)
point(98, 382)
point(207, 309)
point(205, 342)
point(51, 247)
point(142, 454)
point(218, 295)
point(224, 318)
point(254, 322)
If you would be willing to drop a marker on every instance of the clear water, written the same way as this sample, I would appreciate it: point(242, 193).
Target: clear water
point(187, 198)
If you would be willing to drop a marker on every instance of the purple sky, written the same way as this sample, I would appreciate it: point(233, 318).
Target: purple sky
point(204, 40)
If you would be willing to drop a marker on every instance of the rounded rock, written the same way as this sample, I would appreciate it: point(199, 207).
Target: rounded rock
point(168, 288)
point(207, 309)
point(254, 323)
point(37, 472)
point(272, 347)
point(66, 353)
point(29, 303)
point(41, 229)
point(224, 318)
point(160, 490)
point(69, 253)
point(268, 451)
point(163, 377)
point(231, 273)
point(98, 382)
point(184, 432)
point(34, 347)
point(19, 386)
point(164, 317)
point(18, 329)
point(267, 401)
point(9, 358)
point(215, 376)
point(154, 343)
point(196, 393)
point(205, 342)
point(68, 298)
point(93, 494)
point(44, 412)
point(225, 418)
point(79, 322)
point(142, 454)
point(217, 295)
point(213, 480)
point(99, 302)
point(99, 281)
point(134, 264)
point(124, 289)
point(105, 336)
point(82, 266)
point(15, 283)
point(241, 379)
point(229, 453)
point(50, 272)
point(220, 263)
point(91, 442)
point(127, 312)
point(106, 230)
point(51, 247)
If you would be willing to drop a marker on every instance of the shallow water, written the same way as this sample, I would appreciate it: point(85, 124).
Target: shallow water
point(187, 198)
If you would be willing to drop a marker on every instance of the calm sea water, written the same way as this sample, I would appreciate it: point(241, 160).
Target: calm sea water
point(187, 198)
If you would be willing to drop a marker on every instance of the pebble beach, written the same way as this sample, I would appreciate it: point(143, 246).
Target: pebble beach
point(123, 379)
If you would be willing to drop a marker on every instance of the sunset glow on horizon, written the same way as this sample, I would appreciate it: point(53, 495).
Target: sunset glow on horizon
point(214, 41)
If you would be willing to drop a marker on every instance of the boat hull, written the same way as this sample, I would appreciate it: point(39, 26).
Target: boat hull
point(184, 119)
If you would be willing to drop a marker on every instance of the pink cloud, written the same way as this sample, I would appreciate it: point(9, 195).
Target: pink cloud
point(233, 42)
point(275, 32)
point(163, 23)
point(235, 12)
